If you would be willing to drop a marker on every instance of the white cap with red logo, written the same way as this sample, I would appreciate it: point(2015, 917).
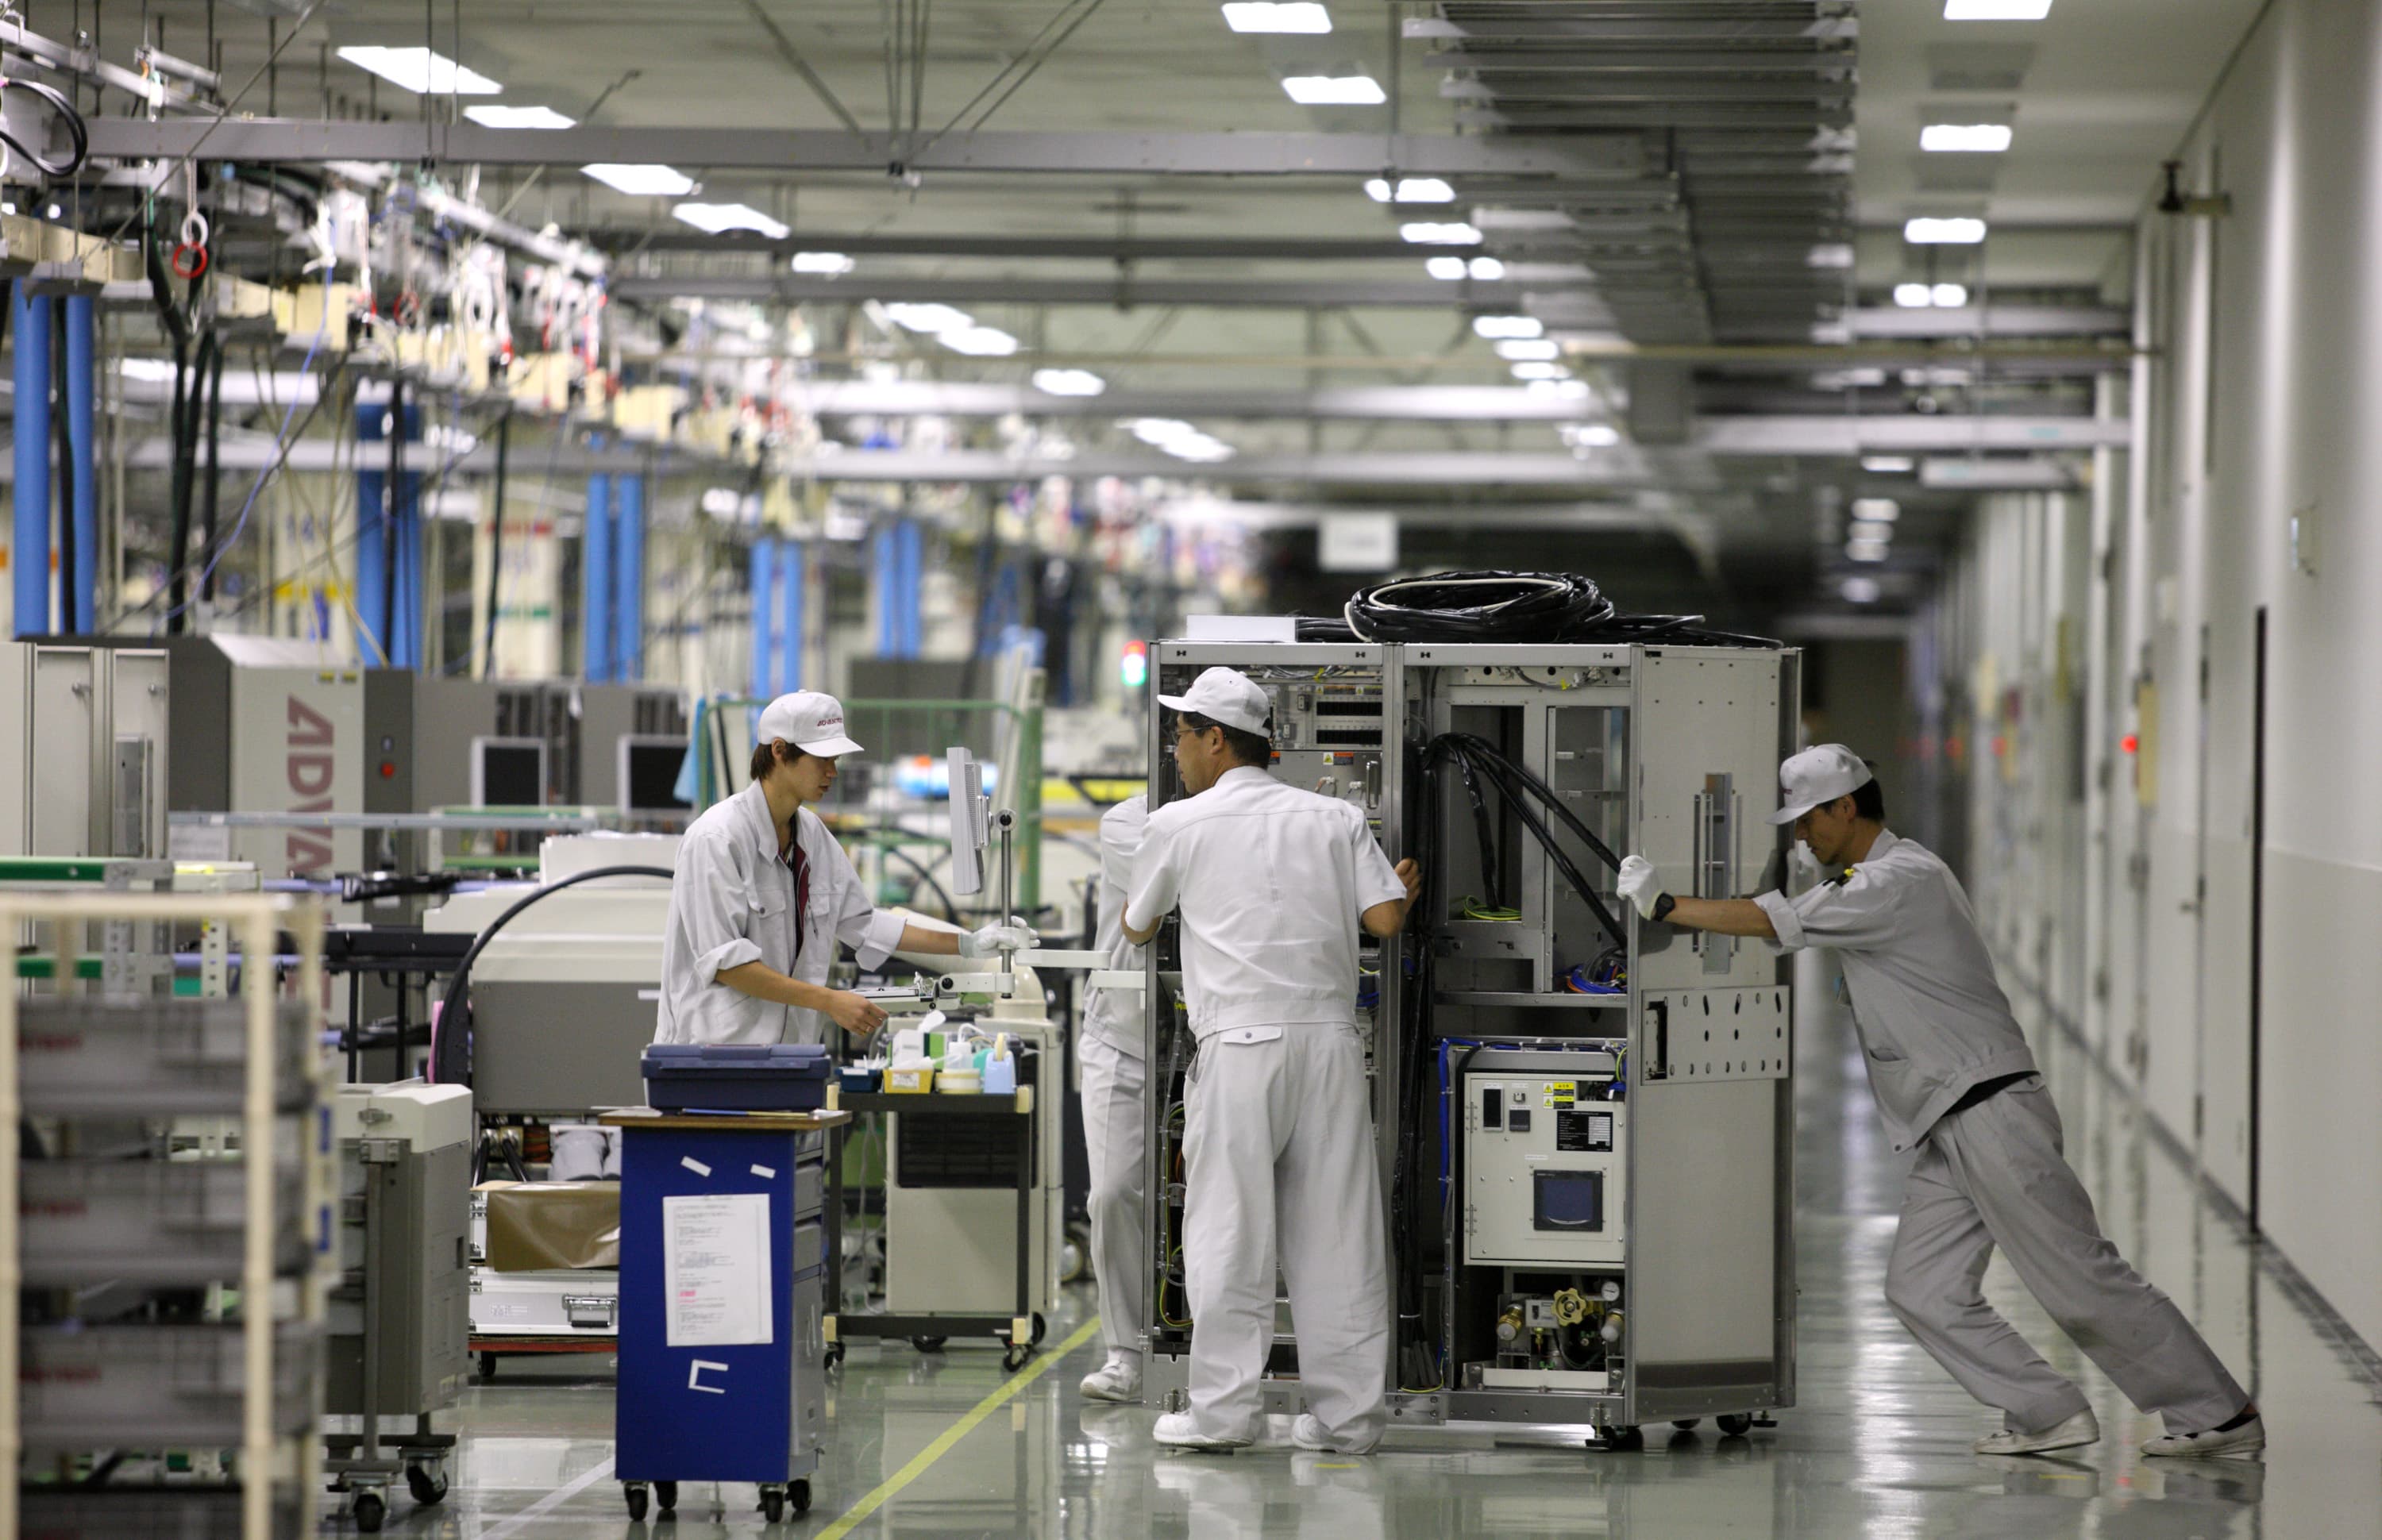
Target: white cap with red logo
point(808, 720)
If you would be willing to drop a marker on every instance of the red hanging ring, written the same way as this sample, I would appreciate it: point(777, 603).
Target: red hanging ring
point(188, 261)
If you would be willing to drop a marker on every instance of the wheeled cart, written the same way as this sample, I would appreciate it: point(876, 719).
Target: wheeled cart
point(722, 1337)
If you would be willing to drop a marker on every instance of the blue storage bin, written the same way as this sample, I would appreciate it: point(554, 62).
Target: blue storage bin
point(736, 1077)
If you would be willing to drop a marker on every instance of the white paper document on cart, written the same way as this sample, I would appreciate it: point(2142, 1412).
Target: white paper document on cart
point(716, 1269)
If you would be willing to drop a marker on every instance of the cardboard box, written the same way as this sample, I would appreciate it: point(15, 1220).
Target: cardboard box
point(541, 1226)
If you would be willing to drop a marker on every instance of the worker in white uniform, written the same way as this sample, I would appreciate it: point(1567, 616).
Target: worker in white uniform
point(1272, 883)
point(1116, 1127)
point(763, 893)
point(1954, 1078)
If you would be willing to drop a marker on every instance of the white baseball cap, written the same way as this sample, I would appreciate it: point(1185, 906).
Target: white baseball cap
point(1817, 777)
point(1227, 696)
point(808, 720)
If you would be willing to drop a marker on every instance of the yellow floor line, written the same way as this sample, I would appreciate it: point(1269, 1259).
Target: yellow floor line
point(858, 1513)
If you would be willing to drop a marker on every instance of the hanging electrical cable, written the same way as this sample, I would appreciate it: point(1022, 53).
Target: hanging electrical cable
point(1535, 607)
point(67, 115)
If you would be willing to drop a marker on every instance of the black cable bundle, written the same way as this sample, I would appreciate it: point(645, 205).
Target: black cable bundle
point(1479, 607)
point(1477, 760)
point(67, 115)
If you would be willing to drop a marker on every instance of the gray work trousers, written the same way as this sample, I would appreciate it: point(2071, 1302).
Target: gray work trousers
point(1993, 1174)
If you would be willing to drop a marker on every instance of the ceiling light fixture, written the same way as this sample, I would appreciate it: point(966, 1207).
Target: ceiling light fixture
point(1864, 529)
point(1888, 465)
point(1068, 382)
point(1878, 510)
point(640, 181)
point(1538, 370)
point(1455, 233)
point(1260, 16)
point(1596, 436)
point(420, 71)
point(1914, 297)
point(934, 319)
point(1529, 351)
point(1447, 268)
point(1487, 268)
point(983, 342)
point(1995, 10)
point(1865, 550)
point(720, 218)
point(1859, 590)
point(1943, 232)
point(1334, 90)
point(1496, 326)
point(492, 117)
point(823, 264)
point(1950, 297)
point(1411, 189)
point(1965, 138)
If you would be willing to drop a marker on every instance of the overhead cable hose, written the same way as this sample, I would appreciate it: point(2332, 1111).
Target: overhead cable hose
point(1533, 607)
point(67, 115)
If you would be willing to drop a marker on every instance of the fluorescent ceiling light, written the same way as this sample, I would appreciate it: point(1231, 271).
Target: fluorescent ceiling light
point(1970, 139)
point(1887, 465)
point(1495, 326)
point(1334, 90)
point(1566, 390)
point(1913, 296)
point(933, 320)
point(1411, 189)
point(1950, 297)
point(1995, 10)
point(1455, 234)
point(1868, 529)
point(1260, 16)
point(1943, 232)
point(1878, 510)
point(1865, 550)
point(492, 117)
point(830, 263)
point(1832, 256)
point(720, 218)
point(1444, 268)
point(1859, 590)
point(1537, 371)
point(1527, 350)
point(420, 71)
point(1487, 267)
point(1068, 382)
point(1597, 435)
point(640, 181)
point(986, 342)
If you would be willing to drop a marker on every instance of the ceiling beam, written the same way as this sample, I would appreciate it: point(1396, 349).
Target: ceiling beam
point(267, 141)
point(1354, 403)
point(988, 243)
point(1120, 290)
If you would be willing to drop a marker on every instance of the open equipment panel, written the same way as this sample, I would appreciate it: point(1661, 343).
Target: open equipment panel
point(1584, 1122)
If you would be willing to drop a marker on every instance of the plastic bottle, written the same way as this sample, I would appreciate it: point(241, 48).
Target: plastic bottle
point(1000, 1069)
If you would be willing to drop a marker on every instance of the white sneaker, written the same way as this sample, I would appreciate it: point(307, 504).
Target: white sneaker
point(1308, 1433)
point(2074, 1434)
point(1178, 1430)
point(2249, 1438)
point(1117, 1380)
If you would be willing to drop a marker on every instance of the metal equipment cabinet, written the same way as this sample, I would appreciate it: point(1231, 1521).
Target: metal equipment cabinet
point(1584, 1122)
point(752, 1408)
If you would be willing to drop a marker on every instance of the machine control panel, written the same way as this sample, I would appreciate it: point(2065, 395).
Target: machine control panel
point(1545, 1175)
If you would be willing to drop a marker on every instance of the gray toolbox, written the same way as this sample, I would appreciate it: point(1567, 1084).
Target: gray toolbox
point(81, 1055)
point(153, 1387)
point(149, 1221)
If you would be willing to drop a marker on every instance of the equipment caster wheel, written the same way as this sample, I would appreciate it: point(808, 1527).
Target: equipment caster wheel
point(799, 1497)
point(666, 1494)
point(773, 1505)
point(929, 1344)
point(834, 1355)
point(370, 1510)
point(1040, 1327)
point(1685, 1424)
point(487, 1367)
point(1014, 1359)
point(426, 1487)
point(1619, 1441)
point(637, 1501)
point(1733, 1425)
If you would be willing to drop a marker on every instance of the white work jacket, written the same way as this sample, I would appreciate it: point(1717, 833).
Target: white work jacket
point(732, 902)
point(1116, 1015)
point(1932, 1020)
point(1271, 882)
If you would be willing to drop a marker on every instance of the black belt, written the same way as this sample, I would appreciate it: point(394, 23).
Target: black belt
point(1984, 1090)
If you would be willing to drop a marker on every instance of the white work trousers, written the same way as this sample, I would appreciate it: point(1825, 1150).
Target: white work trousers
point(1116, 1138)
point(1993, 1174)
point(1278, 1143)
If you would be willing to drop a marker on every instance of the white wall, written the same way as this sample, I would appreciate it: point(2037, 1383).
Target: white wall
point(2257, 400)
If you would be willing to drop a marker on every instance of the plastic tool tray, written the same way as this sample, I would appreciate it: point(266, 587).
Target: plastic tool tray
point(735, 1077)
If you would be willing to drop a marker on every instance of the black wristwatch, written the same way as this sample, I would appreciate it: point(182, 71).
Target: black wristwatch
point(1663, 907)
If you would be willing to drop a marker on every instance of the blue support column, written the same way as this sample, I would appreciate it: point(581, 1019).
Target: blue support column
point(792, 569)
point(372, 506)
point(80, 610)
point(764, 586)
point(628, 579)
point(914, 549)
point(398, 635)
point(595, 584)
point(30, 558)
point(885, 582)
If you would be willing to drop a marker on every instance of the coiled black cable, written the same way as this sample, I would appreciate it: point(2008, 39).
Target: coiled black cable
point(67, 115)
point(1530, 607)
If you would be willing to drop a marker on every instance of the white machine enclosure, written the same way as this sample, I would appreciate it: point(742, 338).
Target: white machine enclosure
point(1544, 1164)
point(404, 1160)
point(83, 735)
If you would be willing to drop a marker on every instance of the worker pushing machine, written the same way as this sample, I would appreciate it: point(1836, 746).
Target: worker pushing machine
point(763, 893)
point(1272, 883)
point(1954, 1078)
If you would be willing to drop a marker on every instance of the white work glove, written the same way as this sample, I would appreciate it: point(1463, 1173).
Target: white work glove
point(1014, 937)
point(1640, 885)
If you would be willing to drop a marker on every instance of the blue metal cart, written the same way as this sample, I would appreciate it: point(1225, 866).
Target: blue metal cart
point(751, 1407)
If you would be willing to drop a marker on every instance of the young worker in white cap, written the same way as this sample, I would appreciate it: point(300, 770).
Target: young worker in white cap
point(764, 893)
point(1954, 1078)
point(1116, 1121)
point(1272, 883)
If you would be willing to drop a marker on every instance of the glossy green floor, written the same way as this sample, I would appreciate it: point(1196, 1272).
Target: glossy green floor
point(1879, 1447)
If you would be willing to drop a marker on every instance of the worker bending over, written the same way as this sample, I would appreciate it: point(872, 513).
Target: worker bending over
point(763, 893)
point(1116, 1124)
point(1953, 1077)
point(1272, 883)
